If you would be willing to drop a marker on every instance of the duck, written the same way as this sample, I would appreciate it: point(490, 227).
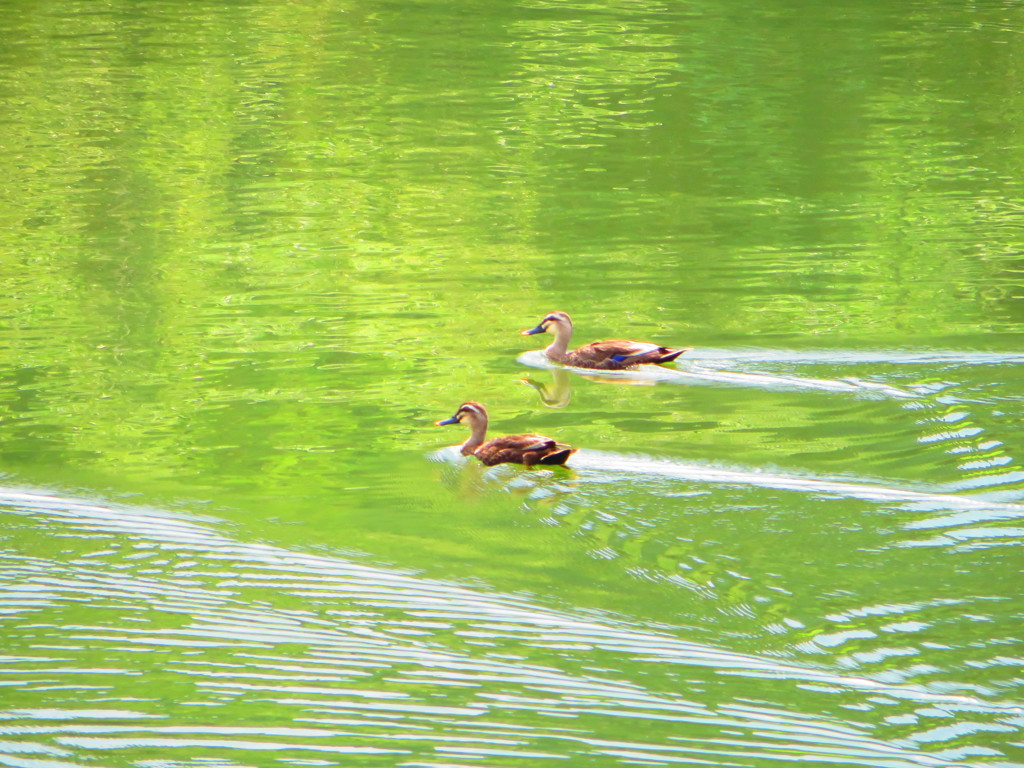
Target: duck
point(612, 355)
point(509, 449)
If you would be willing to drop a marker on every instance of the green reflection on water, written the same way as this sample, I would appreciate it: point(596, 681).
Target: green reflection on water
point(250, 254)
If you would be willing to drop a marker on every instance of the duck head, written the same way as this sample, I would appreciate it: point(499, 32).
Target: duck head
point(557, 323)
point(475, 415)
point(472, 412)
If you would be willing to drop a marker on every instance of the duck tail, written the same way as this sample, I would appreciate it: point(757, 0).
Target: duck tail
point(557, 457)
point(671, 354)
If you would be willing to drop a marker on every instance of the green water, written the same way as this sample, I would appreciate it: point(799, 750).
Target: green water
point(250, 252)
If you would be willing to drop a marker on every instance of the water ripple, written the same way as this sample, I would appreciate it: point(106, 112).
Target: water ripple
point(325, 641)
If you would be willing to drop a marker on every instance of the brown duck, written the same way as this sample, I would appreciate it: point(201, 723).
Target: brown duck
point(613, 355)
point(510, 449)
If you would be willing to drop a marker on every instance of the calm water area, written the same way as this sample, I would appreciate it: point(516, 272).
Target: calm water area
point(251, 251)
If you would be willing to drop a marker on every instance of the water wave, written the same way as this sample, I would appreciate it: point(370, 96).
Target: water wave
point(336, 657)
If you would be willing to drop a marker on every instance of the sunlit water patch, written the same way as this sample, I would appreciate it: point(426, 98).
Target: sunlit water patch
point(153, 636)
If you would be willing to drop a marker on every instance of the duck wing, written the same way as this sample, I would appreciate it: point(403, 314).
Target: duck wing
point(618, 347)
point(521, 449)
point(622, 353)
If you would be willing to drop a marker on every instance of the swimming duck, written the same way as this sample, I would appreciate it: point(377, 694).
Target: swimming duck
point(613, 355)
point(510, 449)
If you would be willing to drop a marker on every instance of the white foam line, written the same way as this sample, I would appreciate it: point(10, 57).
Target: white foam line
point(702, 375)
point(607, 462)
point(772, 381)
point(602, 461)
point(882, 356)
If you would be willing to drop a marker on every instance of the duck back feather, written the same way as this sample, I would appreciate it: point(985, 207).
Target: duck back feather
point(619, 354)
point(523, 449)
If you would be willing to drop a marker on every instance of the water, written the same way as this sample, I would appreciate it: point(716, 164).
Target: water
point(183, 640)
point(250, 253)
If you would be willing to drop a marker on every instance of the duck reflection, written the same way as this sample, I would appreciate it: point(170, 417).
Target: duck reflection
point(535, 485)
point(558, 392)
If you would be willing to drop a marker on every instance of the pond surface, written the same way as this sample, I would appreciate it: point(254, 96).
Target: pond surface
point(250, 252)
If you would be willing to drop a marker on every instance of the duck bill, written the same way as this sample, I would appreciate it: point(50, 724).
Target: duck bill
point(539, 329)
point(446, 422)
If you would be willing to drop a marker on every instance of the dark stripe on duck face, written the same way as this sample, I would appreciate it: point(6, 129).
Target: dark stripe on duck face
point(546, 322)
point(465, 408)
point(470, 408)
